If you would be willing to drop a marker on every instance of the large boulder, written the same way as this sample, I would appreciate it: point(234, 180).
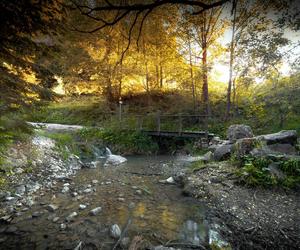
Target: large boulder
point(239, 131)
point(244, 146)
point(223, 152)
point(282, 137)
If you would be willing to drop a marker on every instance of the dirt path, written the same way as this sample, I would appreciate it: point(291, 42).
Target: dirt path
point(251, 218)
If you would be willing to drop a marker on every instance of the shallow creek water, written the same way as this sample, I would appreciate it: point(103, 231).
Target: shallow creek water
point(130, 195)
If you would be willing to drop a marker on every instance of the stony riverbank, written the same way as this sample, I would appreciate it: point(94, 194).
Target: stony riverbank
point(250, 218)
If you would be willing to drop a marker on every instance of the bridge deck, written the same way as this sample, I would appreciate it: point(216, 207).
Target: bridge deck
point(183, 134)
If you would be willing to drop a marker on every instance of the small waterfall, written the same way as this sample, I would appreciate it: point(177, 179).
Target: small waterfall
point(108, 152)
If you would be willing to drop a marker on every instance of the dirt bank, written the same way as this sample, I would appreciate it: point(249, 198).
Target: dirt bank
point(251, 218)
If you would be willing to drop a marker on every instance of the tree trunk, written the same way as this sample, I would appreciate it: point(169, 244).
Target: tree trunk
point(228, 105)
point(161, 75)
point(192, 77)
point(205, 96)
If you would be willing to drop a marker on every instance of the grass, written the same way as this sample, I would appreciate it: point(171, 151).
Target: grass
point(65, 143)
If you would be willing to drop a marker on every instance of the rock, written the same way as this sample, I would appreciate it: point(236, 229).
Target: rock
point(95, 211)
point(10, 198)
point(96, 164)
point(6, 219)
point(55, 219)
point(82, 206)
point(65, 189)
point(275, 170)
point(121, 199)
point(284, 148)
point(62, 226)
point(244, 146)
point(223, 152)
point(74, 194)
point(114, 160)
point(139, 192)
point(261, 152)
point(88, 190)
point(52, 208)
point(282, 137)
point(170, 180)
point(161, 247)
point(19, 170)
point(95, 182)
point(71, 216)
point(208, 156)
point(215, 239)
point(36, 214)
point(239, 131)
point(115, 231)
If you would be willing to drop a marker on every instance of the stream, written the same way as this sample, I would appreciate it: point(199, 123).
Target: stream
point(130, 195)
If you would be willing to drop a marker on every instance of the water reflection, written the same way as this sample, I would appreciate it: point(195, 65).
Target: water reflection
point(193, 232)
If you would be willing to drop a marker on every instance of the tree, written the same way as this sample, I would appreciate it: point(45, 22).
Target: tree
point(27, 36)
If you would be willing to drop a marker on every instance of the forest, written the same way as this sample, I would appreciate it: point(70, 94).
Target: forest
point(149, 124)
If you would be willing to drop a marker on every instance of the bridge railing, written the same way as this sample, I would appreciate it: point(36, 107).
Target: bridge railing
point(160, 122)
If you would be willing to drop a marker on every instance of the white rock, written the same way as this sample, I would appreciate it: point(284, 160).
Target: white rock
point(95, 211)
point(82, 206)
point(63, 226)
point(114, 160)
point(71, 216)
point(51, 207)
point(65, 189)
point(115, 231)
point(88, 190)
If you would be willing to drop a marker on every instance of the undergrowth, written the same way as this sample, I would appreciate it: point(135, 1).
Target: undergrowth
point(255, 172)
point(121, 140)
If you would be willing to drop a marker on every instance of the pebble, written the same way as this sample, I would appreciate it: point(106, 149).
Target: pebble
point(74, 194)
point(134, 187)
point(65, 189)
point(55, 219)
point(82, 206)
point(51, 207)
point(9, 198)
point(115, 231)
point(62, 226)
point(95, 211)
point(139, 192)
point(120, 199)
point(108, 182)
point(95, 181)
point(88, 190)
point(71, 216)
point(36, 214)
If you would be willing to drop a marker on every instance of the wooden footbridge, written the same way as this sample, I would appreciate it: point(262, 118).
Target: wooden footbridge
point(169, 125)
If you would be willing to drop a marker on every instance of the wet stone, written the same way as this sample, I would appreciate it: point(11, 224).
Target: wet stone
point(95, 211)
